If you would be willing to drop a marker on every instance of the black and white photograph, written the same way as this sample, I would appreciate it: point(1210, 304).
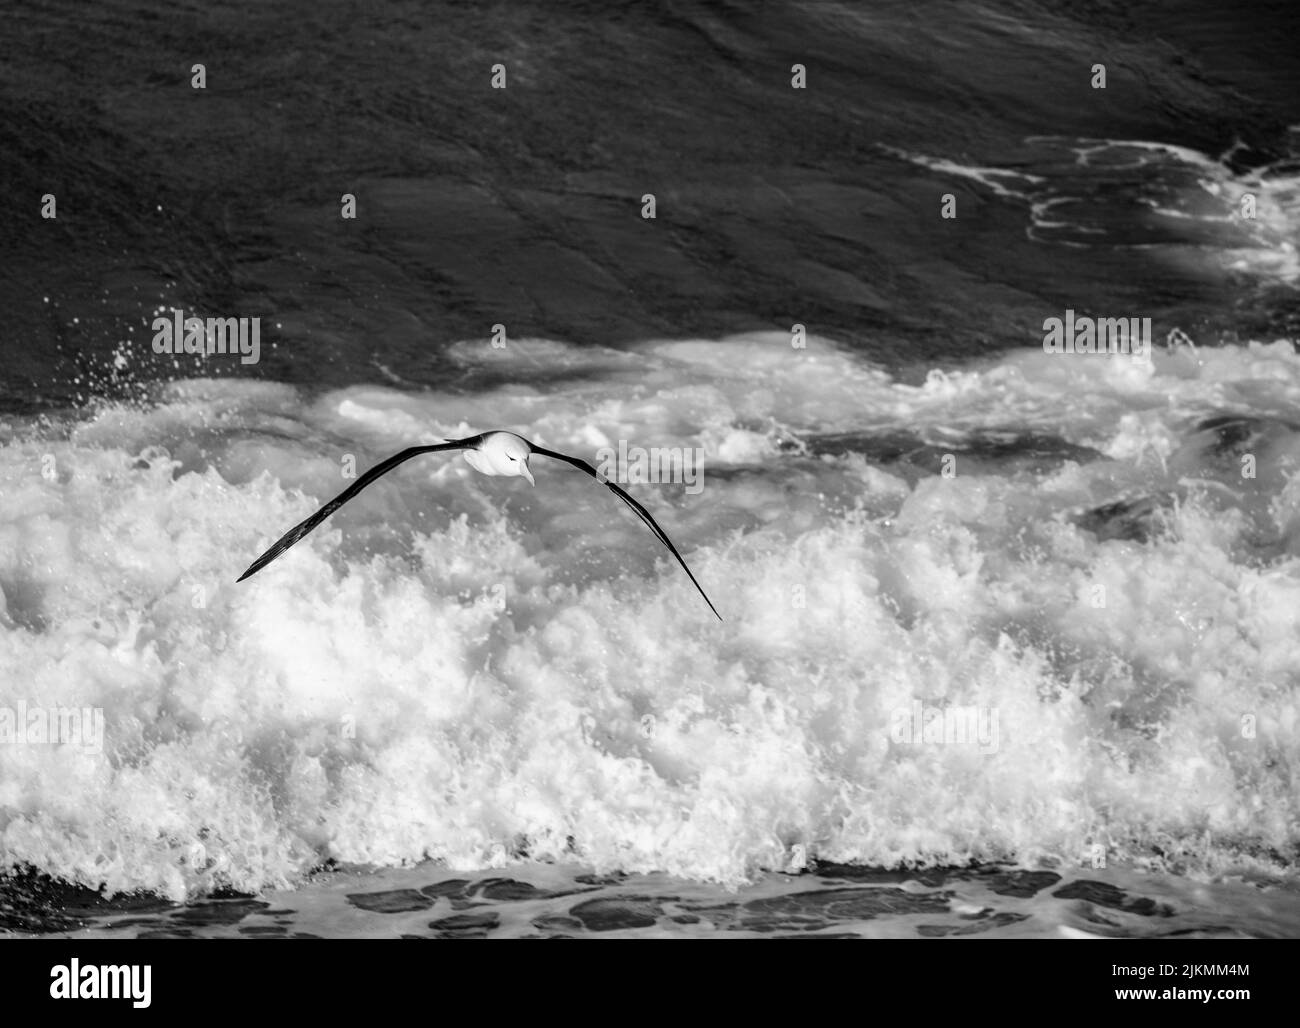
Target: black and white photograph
point(678, 469)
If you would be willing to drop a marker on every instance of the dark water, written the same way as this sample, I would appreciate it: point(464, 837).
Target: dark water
point(548, 902)
point(522, 206)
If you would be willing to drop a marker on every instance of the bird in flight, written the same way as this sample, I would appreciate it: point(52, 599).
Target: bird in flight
point(492, 453)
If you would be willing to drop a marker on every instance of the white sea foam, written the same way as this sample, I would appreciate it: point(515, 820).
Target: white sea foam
point(465, 669)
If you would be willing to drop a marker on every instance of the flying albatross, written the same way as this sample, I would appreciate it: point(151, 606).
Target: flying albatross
point(492, 453)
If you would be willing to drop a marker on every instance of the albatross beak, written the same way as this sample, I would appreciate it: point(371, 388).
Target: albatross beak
point(523, 470)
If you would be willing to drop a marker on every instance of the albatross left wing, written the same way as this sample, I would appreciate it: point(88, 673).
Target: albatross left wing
point(637, 509)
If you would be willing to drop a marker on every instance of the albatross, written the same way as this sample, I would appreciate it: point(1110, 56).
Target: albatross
point(492, 453)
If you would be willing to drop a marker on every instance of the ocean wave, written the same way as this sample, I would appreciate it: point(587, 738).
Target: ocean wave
point(469, 670)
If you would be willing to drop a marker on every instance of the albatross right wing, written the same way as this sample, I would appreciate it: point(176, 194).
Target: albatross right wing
point(298, 531)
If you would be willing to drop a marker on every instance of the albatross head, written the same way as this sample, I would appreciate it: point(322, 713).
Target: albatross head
point(502, 453)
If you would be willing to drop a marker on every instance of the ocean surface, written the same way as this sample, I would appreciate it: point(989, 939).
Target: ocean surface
point(466, 706)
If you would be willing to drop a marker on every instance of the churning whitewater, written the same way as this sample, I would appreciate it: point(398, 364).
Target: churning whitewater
point(460, 670)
